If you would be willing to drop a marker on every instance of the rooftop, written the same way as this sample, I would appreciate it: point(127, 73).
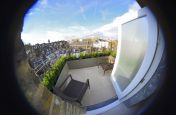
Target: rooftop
point(101, 88)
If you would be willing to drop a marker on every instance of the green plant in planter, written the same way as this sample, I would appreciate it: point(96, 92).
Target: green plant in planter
point(82, 56)
point(113, 54)
point(71, 57)
point(87, 55)
point(94, 54)
point(51, 76)
point(106, 53)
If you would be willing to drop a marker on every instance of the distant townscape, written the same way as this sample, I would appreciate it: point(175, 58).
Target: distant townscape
point(42, 56)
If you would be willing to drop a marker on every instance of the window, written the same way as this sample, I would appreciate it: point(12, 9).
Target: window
point(133, 48)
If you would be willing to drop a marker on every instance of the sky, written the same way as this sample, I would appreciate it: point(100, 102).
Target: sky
point(66, 19)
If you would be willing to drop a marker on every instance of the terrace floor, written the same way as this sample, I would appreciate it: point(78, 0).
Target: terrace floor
point(101, 88)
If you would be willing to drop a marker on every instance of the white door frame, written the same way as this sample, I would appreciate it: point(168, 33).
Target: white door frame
point(148, 58)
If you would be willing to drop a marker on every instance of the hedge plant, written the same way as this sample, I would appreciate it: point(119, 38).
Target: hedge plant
point(51, 76)
point(113, 54)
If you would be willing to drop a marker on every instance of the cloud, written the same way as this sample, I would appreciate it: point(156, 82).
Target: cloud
point(34, 37)
point(104, 14)
point(82, 11)
point(111, 29)
point(76, 31)
point(73, 31)
point(44, 2)
point(86, 7)
point(55, 36)
point(30, 13)
point(135, 6)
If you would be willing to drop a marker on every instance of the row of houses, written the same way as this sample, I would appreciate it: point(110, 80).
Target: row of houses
point(93, 44)
point(42, 51)
point(39, 52)
point(44, 55)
